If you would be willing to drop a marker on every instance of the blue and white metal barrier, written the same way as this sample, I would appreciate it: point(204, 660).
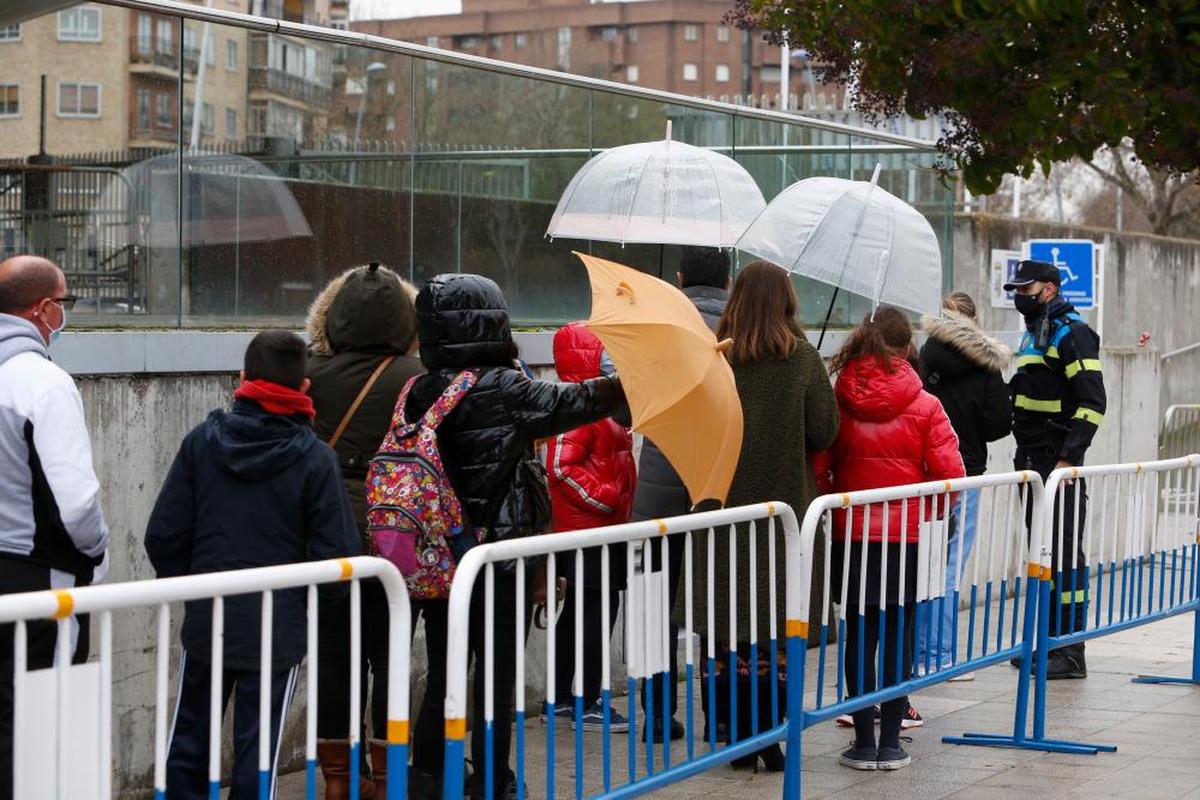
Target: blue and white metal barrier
point(1140, 547)
point(101, 601)
point(914, 570)
point(648, 649)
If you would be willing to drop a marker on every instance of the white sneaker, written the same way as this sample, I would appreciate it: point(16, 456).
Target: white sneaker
point(966, 676)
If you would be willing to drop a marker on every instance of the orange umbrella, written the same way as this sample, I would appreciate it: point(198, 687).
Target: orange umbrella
point(680, 388)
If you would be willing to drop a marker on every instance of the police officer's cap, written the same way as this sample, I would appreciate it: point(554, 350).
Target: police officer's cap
point(1033, 272)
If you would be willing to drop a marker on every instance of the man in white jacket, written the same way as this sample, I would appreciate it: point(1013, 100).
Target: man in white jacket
point(52, 531)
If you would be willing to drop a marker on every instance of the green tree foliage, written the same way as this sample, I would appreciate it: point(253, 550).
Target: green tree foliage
point(1022, 83)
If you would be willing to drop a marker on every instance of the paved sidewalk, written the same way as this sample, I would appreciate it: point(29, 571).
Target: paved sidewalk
point(1156, 728)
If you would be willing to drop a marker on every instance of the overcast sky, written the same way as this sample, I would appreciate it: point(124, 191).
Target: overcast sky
point(394, 9)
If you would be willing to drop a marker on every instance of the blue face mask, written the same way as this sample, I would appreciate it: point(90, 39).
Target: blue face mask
point(607, 368)
point(56, 332)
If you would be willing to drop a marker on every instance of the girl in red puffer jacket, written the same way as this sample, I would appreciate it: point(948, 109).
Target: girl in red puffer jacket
point(592, 477)
point(892, 433)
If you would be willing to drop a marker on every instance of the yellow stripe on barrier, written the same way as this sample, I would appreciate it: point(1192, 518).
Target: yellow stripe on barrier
point(845, 501)
point(456, 729)
point(1047, 575)
point(347, 568)
point(1035, 569)
point(66, 604)
point(770, 509)
point(662, 527)
point(795, 627)
point(397, 731)
point(949, 486)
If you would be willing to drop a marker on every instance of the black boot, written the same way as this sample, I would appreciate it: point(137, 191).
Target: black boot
point(1066, 662)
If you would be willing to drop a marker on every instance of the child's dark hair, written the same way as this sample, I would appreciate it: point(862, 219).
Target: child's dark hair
point(888, 336)
point(277, 356)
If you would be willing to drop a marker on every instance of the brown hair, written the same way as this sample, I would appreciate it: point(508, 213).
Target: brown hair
point(888, 336)
point(962, 303)
point(761, 315)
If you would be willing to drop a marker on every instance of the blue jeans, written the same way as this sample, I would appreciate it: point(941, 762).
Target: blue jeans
point(965, 525)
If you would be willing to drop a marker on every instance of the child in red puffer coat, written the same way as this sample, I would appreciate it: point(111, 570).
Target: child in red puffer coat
point(892, 433)
point(592, 477)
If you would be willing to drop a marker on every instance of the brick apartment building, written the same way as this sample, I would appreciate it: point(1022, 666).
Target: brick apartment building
point(680, 46)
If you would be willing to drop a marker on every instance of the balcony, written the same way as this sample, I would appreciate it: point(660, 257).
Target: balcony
point(290, 86)
point(142, 137)
point(148, 58)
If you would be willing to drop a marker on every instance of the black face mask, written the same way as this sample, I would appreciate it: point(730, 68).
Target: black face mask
point(1030, 305)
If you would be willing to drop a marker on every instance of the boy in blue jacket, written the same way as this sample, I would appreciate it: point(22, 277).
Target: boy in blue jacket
point(250, 487)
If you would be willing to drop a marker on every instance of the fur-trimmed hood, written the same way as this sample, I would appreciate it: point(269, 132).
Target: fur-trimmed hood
point(961, 335)
point(375, 315)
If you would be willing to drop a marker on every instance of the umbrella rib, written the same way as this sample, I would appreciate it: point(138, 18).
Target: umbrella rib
point(720, 204)
point(576, 182)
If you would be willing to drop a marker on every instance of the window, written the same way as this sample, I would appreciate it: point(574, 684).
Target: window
point(231, 55)
point(143, 109)
point(79, 24)
point(519, 40)
point(690, 72)
point(608, 34)
point(78, 99)
point(722, 75)
point(145, 34)
point(631, 73)
point(467, 42)
point(631, 35)
point(162, 110)
point(769, 74)
point(391, 87)
point(207, 119)
point(390, 124)
point(722, 33)
point(10, 99)
point(230, 123)
point(10, 33)
point(431, 41)
point(166, 36)
point(497, 42)
point(564, 49)
point(691, 33)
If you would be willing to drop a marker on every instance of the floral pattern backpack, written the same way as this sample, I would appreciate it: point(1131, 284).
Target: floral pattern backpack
point(413, 514)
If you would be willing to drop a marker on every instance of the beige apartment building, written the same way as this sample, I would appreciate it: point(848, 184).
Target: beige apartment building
point(681, 46)
point(112, 80)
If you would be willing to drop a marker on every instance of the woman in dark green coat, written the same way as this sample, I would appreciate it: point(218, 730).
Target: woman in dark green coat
point(789, 411)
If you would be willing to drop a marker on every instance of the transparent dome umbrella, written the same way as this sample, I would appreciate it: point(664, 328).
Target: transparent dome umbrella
point(852, 235)
point(663, 192)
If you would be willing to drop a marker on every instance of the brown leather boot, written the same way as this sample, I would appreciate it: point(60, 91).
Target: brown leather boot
point(334, 757)
point(379, 766)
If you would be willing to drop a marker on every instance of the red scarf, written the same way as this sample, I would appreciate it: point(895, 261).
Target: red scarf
point(276, 399)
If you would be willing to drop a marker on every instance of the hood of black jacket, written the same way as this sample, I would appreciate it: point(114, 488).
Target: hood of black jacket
point(365, 311)
point(254, 444)
point(462, 322)
point(957, 346)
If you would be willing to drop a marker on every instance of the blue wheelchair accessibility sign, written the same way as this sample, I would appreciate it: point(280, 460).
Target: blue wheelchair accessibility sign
point(1076, 261)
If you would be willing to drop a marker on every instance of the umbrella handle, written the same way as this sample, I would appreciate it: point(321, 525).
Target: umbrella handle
point(724, 345)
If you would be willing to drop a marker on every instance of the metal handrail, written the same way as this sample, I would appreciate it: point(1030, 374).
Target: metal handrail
point(248, 21)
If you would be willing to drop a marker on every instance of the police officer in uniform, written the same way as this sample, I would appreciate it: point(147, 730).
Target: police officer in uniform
point(1058, 404)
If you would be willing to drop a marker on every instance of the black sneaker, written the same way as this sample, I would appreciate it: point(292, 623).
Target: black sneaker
point(1065, 664)
point(677, 730)
point(893, 758)
point(910, 719)
point(860, 758)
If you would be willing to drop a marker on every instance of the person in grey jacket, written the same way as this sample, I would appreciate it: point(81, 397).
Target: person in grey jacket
point(52, 530)
point(704, 277)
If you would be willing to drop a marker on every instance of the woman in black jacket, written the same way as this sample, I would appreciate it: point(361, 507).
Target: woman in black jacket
point(362, 329)
point(961, 366)
point(462, 322)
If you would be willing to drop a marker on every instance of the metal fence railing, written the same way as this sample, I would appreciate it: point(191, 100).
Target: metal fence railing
point(59, 768)
point(1180, 433)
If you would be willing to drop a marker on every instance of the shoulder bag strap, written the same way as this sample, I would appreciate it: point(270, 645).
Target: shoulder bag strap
point(358, 401)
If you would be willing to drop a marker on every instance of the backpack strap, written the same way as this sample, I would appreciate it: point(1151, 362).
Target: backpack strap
point(450, 398)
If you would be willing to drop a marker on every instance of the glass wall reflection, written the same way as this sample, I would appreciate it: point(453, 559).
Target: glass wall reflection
point(190, 174)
